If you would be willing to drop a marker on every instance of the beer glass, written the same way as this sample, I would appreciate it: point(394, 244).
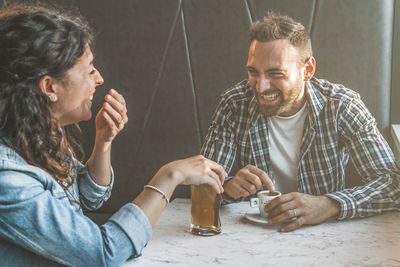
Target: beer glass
point(205, 210)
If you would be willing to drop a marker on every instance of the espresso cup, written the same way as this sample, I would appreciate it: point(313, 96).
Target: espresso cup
point(263, 197)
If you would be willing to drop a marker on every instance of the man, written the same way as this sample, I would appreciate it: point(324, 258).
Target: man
point(294, 133)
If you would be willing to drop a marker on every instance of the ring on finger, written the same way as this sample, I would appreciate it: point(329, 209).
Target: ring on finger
point(294, 213)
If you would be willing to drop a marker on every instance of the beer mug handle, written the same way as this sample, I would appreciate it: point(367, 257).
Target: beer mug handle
point(254, 202)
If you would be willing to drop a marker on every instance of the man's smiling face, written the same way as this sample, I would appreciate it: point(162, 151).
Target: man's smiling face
point(276, 77)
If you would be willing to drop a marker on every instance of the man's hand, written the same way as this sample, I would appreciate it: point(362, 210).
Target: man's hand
point(302, 208)
point(248, 181)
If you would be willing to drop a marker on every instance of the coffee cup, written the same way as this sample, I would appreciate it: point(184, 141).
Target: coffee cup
point(263, 197)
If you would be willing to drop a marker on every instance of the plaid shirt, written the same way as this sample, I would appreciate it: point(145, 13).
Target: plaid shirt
point(338, 126)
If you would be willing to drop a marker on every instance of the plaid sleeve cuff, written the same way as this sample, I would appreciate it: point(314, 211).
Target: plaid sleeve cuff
point(347, 205)
point(226, 199)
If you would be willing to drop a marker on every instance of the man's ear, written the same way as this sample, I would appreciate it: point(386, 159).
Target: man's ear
point(309, 68)
point(48, 87)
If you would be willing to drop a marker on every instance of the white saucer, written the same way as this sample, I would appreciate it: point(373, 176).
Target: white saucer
point(253, 215)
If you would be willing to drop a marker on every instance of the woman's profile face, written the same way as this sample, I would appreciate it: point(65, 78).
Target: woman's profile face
point(75, 91)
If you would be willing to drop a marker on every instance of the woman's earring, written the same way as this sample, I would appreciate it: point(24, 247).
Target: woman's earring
point(53, 98)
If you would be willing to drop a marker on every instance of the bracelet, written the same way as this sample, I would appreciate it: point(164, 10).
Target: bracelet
point(159, 191)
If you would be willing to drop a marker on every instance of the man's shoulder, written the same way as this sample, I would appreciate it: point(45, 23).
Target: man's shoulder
point(344, 102)
point(334, 91)
point(238, 93)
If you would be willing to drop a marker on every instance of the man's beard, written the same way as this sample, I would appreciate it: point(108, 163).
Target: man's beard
point(286, 102)
point(268, 110)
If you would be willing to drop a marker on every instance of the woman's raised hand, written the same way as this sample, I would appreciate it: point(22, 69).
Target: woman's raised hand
point(111, 118)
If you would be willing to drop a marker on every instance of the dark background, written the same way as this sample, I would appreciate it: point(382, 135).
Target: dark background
point(171, 59)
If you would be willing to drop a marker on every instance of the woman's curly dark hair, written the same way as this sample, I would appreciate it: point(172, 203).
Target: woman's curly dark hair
point(35, 42)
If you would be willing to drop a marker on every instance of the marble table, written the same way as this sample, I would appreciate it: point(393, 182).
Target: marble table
point(373, 241)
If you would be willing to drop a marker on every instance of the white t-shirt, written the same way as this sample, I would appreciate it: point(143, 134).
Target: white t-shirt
point(285, 136)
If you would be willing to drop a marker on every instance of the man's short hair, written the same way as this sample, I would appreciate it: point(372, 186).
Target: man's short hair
point(275, 27)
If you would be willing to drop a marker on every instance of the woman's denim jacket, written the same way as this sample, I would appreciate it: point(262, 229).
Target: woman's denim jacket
point(37, 215)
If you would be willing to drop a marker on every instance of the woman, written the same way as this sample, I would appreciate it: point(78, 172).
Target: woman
point(47, 82)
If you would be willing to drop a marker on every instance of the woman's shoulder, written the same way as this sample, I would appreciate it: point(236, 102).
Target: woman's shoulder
point(9, 154)
point(21, 181)
point(10, 157)
point(16, 172)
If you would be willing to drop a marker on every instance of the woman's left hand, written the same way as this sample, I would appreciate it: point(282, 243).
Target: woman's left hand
point(111, 118)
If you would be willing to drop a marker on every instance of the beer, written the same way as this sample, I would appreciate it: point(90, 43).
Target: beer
point(205, 210)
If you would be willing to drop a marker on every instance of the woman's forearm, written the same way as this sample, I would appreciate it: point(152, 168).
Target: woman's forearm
point(99, 164)
point(152, 202)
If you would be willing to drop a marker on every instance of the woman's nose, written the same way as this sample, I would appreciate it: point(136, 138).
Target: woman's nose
point(99, 79)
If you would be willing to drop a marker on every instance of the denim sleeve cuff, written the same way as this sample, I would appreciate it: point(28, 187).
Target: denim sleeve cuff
point(94, 194)
point(132, 220)
point(347, 205)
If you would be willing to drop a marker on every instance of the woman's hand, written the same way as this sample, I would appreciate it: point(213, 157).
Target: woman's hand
point(109, 122)
point(197, 170)
point(111, 118)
